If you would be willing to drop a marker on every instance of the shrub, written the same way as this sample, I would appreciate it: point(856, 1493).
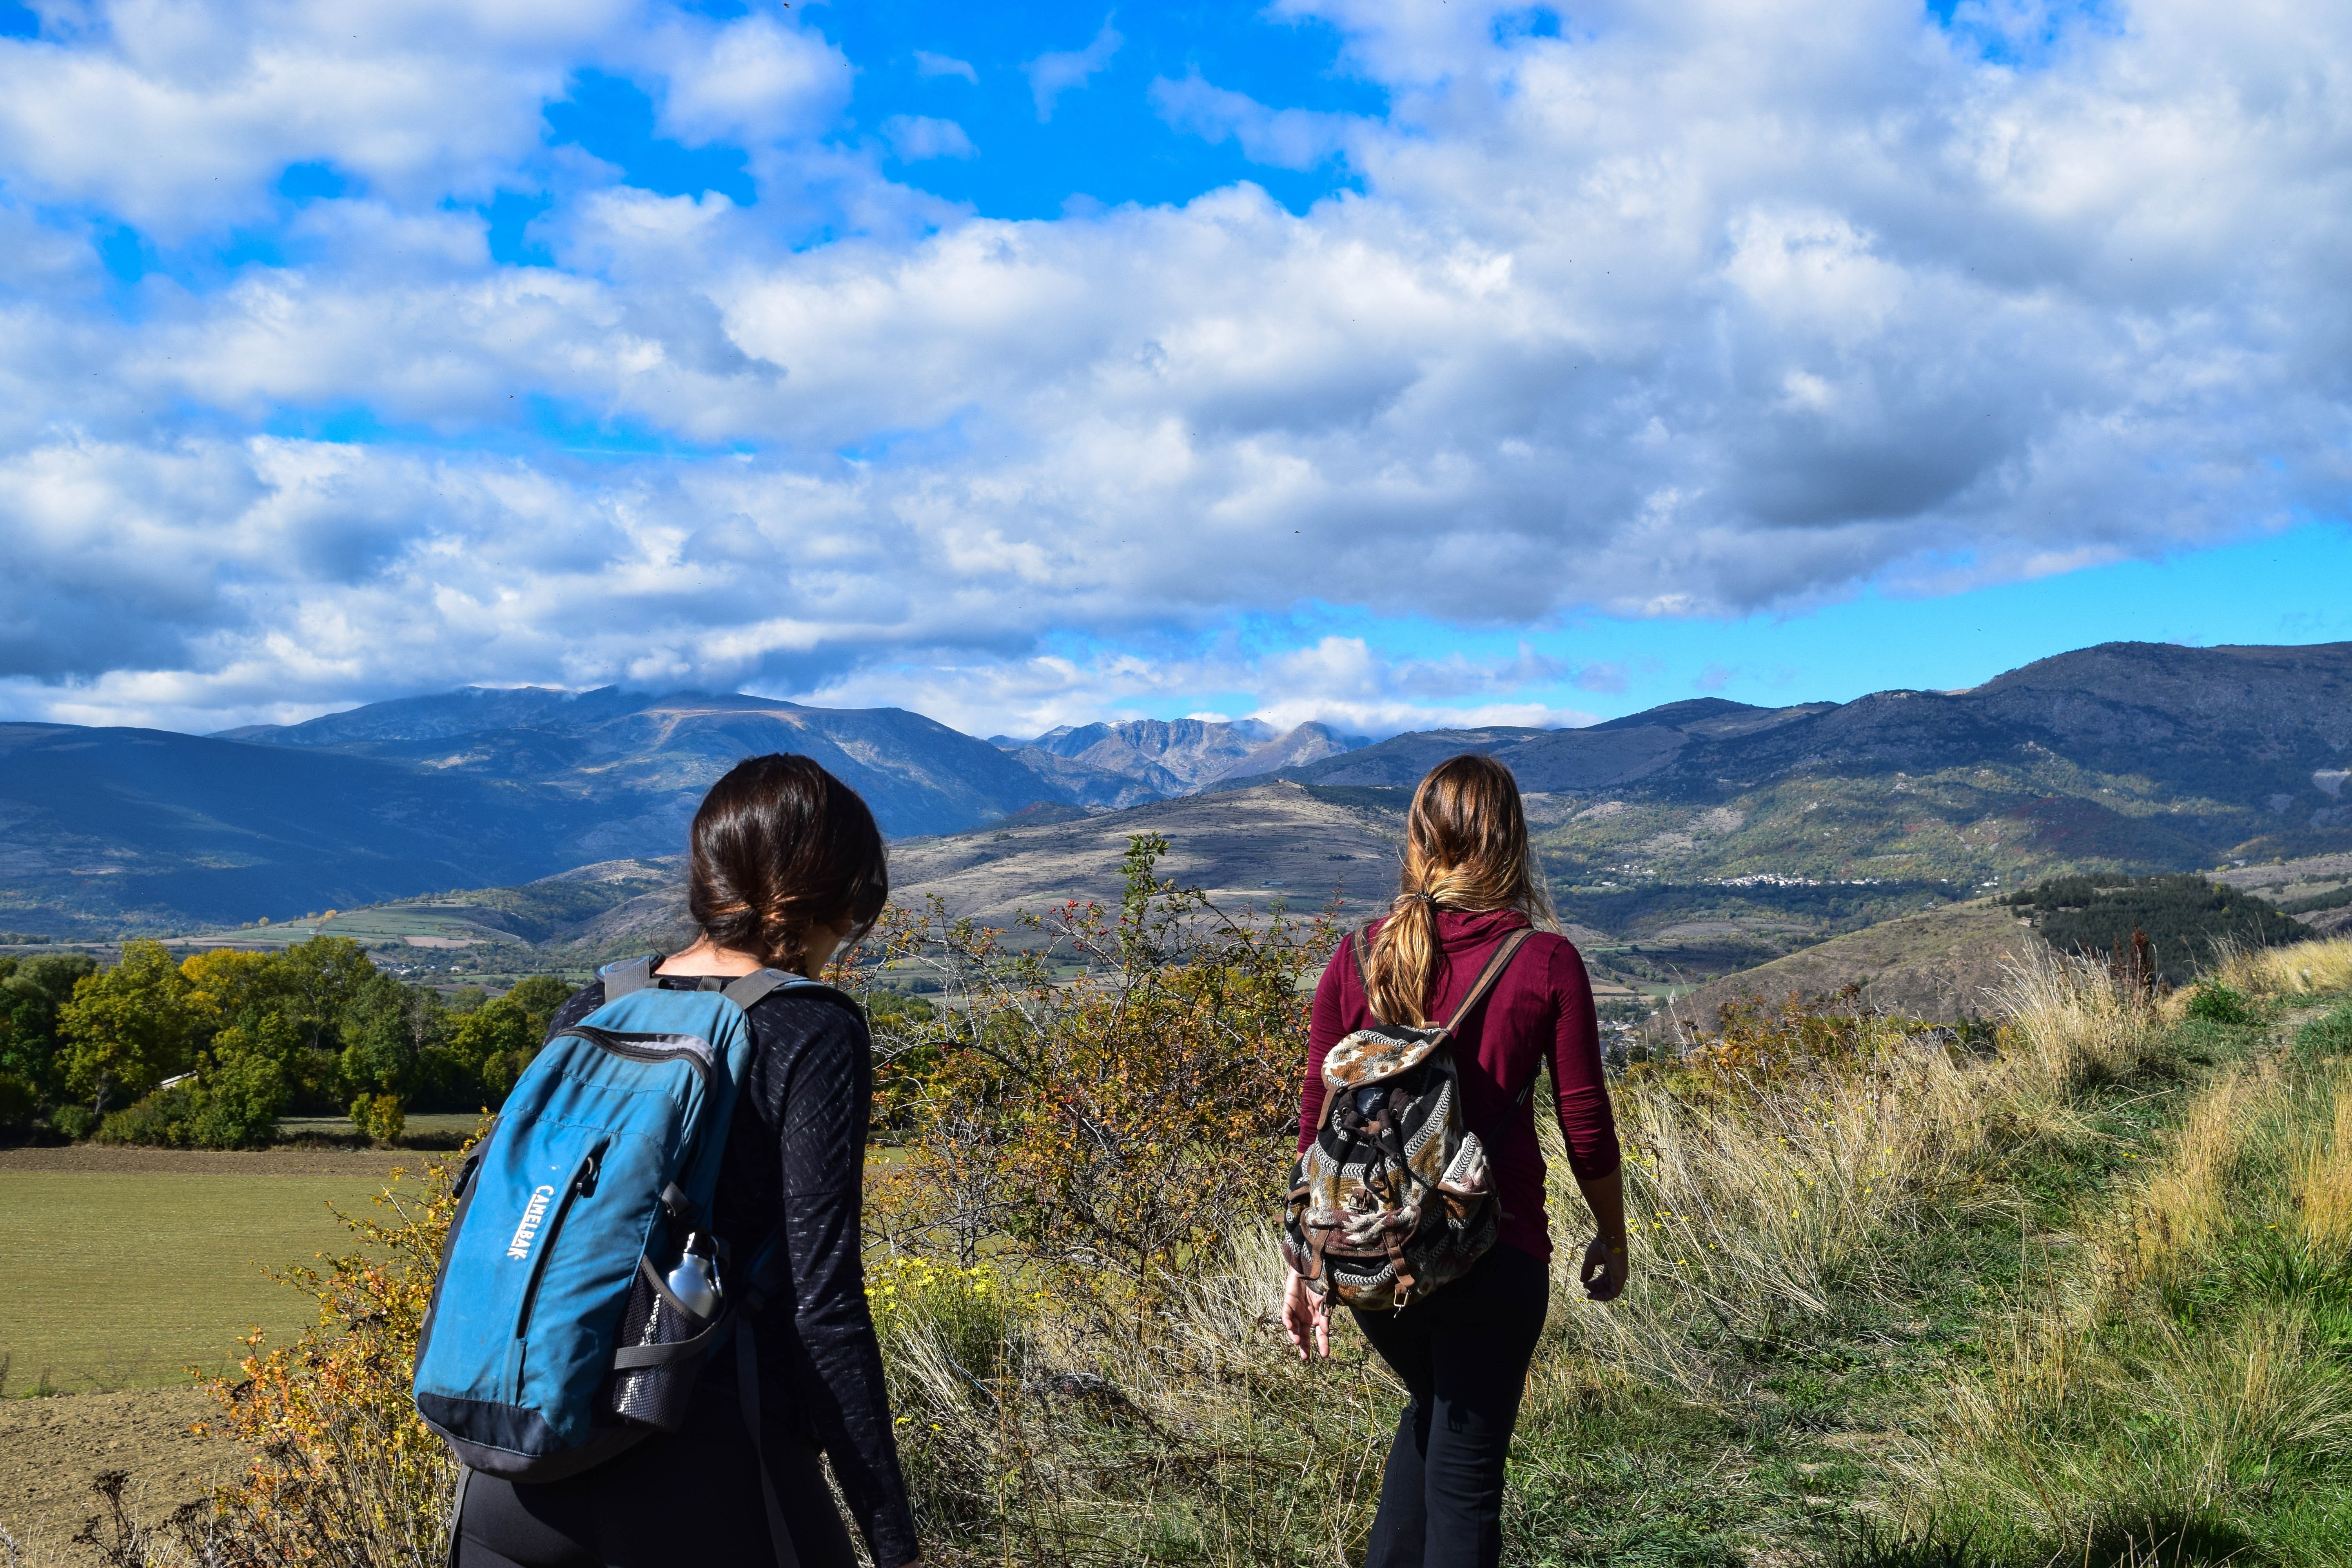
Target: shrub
point(74, 1121)
point(379, 1117)
point(1111, 1130)
point(2214, 1003)
point(159, 1120)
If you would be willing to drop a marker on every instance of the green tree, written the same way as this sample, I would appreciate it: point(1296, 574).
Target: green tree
point(499, 1039)
point(387, 1028)
point(244, 1079)
point(540, 996)
point(324, 979)
point(129, 1028)
point(31, 992)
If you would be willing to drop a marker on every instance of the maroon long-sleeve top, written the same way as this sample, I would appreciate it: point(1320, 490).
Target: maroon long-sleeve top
point(1540, 1012)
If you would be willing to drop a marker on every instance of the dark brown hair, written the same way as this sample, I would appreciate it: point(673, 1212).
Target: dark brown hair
point(780, 845)
point(1465, 848)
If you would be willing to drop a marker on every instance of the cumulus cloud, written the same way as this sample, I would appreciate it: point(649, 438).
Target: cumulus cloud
point(1702, 311)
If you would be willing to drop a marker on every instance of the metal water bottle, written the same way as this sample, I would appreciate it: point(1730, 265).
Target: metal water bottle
point(695, 1280)
point(658, 1397)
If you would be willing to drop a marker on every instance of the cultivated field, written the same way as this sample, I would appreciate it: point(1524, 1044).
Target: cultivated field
point(126, 1266)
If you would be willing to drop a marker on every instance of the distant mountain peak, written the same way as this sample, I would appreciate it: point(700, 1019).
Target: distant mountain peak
point(1675, 715)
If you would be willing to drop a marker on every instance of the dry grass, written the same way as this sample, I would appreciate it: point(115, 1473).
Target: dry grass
point(1028, 1439)
point(2185, 1209)
point(2306, 969)
point(1754, 1208)
point(2322, 1174)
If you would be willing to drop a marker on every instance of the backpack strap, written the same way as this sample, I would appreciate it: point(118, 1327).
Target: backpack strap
point(1506, 950)
point(745, 990)
point(620, 979)
point(637, 973)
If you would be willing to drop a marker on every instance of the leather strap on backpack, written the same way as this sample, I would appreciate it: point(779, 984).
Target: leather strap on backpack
point(1505, 951)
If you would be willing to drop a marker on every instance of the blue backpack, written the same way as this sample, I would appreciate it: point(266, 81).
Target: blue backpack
point(580, 1290)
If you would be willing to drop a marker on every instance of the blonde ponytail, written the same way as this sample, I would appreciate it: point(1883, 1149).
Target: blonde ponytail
point(1465, 848)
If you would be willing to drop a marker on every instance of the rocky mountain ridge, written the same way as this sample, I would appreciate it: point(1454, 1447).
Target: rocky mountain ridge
point(1707, 825)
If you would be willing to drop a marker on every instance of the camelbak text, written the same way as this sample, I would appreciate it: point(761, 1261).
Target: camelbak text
point(532, 1213)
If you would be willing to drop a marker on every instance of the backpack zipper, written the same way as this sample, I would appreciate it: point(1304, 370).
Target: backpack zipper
point(656, 1050)
point(637, 1048)
point(583, 1182)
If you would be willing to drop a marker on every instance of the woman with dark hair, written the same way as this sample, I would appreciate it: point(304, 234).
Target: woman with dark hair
point(1463, 1350)
point(787, 868)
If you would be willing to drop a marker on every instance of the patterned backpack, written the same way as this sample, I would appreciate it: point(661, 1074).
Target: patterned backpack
point(1393, 1198)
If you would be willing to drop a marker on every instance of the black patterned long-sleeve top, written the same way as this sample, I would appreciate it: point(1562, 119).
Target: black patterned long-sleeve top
point(795, 1158)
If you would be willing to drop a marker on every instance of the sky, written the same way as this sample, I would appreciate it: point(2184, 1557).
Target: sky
point(1390, 364)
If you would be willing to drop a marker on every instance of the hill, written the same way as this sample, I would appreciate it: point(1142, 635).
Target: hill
point(2130, 756)
point(1249, 850)
point(102, 829)
point(1941, 963)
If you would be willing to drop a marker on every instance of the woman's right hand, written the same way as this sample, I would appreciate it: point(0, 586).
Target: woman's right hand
point(1307, 1318)
point(1606, 1265)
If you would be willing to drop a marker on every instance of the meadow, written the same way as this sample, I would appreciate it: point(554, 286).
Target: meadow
point(121, 1279)
point(2072, 1288)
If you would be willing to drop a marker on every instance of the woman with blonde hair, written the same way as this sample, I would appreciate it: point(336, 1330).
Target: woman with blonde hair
point(1462, 1351)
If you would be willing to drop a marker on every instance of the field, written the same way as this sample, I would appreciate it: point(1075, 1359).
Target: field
point(125, 1267)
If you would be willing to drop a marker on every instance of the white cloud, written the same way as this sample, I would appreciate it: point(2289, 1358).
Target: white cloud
point(914, 137)
point(1280, 138)
point(930, 64)
point(179, 117)
point(1055, 72)
point(1703, 312)
point(754, 80)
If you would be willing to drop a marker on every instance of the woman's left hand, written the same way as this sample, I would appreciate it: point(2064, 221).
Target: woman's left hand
point(1604, 1269)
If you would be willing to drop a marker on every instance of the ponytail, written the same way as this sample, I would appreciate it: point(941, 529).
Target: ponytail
point(1465, 848)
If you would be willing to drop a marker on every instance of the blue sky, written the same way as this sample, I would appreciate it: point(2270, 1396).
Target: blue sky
point(1381, 363)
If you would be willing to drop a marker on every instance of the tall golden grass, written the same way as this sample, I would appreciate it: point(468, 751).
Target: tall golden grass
point(2323, 1173)
point(1765, 1202)
point(2306, 969)
point(2178, 1376)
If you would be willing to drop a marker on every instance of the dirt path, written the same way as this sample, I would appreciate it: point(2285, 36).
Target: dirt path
point(51, 1448)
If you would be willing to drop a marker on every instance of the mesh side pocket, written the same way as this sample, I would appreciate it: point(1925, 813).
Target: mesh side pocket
point(655, 1396)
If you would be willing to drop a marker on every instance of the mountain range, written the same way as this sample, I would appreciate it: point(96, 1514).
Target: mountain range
point(1698, 822)
point(1134, 760)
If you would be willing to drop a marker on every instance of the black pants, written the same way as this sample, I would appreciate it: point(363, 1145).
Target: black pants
point(689, 1499)
point(1462, 1354)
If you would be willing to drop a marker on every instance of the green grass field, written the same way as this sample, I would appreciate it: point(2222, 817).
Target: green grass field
point(117, 1280)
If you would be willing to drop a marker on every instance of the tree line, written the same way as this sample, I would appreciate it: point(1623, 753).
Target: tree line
point(2184, 919)
point(210, 1051)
